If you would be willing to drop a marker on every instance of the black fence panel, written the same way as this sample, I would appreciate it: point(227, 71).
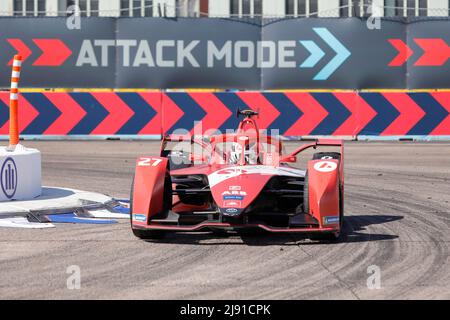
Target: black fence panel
point(334, 53)
point(428, 41)
point(188, 53)
point(252, 54)
point(56, 56)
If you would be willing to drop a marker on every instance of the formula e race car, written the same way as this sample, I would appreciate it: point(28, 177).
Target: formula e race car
point(238, 181)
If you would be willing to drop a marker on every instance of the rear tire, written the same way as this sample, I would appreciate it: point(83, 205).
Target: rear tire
point(142, 234)
point(326, 155)
point(177, 161)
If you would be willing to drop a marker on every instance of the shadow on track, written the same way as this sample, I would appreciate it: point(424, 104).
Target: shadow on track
point(352, 232)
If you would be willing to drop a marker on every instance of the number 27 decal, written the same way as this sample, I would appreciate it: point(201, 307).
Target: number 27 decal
point(147, 162)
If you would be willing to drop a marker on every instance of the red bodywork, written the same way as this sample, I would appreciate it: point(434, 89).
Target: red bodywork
point(213, 193)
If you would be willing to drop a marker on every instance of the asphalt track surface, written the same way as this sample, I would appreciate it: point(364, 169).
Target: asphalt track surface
point(397, 218)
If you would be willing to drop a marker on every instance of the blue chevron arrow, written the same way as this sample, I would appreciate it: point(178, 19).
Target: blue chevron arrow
point(342, 54)
point(315, 54)
point(95, 113)
point(386, 113)
point(48, 113)
point(337, 114)
point(434, 114)
point(4, 113)
point(192, 111)
point(143, 113)
point(289, 113)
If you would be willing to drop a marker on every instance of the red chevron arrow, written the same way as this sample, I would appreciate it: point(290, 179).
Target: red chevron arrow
point(404, 52)
point(444, 127)
point(71, 113)
point(170, 113)
point(267, 112)
point(154, 100)
point(410, 113)
point(27, 113)
point(54, 52)
point(436, 52)
point(313, 113)
point(119, 113)
point(21, 48)
point(361, 113)
point(216, 112)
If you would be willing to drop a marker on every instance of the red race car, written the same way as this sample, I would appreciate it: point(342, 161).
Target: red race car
point(238, 180)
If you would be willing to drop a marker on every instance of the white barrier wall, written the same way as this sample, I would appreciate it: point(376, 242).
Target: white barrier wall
point(437, 8)
point(6, 7)
point(328, 8)
point(219, 8)
point(51, 6)
point(167, 8)
point(109, 8)
point(20, 174)
point(274, 8)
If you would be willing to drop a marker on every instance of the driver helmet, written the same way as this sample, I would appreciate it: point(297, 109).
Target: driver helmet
point(250, 153)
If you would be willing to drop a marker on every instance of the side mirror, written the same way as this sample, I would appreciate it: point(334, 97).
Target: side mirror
point(290, 159)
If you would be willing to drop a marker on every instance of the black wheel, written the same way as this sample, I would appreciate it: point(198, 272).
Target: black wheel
point(142, 234)
point(332, 236)
point(326, 155)
point(177, 159)
point(149, 234)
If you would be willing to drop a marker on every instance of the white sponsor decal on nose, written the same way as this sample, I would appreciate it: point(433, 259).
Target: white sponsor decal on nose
point(325, 166)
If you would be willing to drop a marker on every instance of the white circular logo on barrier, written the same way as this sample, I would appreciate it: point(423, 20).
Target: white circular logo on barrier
point(8, 177)
point(325, 166)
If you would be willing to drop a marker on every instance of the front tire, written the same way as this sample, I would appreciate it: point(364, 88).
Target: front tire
point(149, 234)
